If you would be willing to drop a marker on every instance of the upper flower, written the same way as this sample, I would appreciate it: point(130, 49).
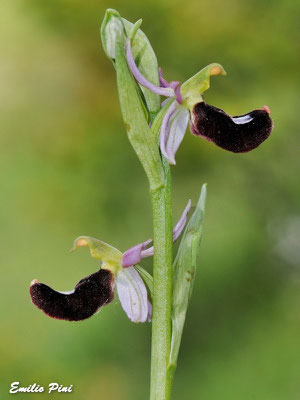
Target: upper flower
point(185, 105)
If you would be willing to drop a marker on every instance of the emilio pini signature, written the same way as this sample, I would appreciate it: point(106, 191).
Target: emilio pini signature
point(35, 388)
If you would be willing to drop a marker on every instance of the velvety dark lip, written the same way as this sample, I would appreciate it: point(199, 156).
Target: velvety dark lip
point(90, 293)
point(238, 134)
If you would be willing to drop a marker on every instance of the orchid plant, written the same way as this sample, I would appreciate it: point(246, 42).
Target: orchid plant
point(155, 128)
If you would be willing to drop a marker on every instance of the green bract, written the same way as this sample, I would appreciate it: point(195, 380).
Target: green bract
point(138, 104)
point(136, 122)
point(184, 267)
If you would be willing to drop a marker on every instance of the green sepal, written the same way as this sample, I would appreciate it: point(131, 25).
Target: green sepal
point(109, 256)
point(147, 278)
point(136, 123)
point(185, 266)
point(192, 89)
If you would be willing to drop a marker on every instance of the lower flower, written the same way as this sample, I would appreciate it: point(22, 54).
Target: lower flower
point(96, 290)
point(116, 271)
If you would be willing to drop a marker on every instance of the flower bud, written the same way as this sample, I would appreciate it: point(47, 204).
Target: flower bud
point(112, 27)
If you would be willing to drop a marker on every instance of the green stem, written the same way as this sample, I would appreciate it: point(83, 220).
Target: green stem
point(161, 381)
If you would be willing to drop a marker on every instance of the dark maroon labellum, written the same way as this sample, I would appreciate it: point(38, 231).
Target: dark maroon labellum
point(88, 296)
point(238, 134)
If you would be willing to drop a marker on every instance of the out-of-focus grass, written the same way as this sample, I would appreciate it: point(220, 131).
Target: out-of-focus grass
point(67, 169)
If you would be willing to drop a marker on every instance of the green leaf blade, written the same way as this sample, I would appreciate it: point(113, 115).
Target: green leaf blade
point(185, 266)
point(136, 122)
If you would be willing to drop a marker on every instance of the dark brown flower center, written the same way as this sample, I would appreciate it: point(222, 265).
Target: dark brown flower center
point(238, 134)
point(88, 296)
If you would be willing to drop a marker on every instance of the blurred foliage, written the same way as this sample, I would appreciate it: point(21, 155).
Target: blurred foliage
point(67, 169)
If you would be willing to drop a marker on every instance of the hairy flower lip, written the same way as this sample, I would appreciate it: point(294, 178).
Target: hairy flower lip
point(238, 134)
point(88, 296)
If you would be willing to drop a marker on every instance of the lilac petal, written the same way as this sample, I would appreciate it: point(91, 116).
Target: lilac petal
point(164, 102)
point(164, 130)
point(133, 255)
point(132, 293)
point(162, 80)
point(168, 92)
point(182, 222)
point(172, 131)
point(176, 231)
point(176, 86)
point(148, 252)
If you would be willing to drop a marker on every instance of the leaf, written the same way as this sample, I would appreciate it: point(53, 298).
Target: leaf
point(185, 266)
point(135, 120)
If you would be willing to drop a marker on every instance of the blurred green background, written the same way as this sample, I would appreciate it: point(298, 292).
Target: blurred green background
point(67, 169)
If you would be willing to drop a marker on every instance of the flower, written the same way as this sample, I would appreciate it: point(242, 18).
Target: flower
point(184, 104)
point(96, 290)
point(116, 271)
